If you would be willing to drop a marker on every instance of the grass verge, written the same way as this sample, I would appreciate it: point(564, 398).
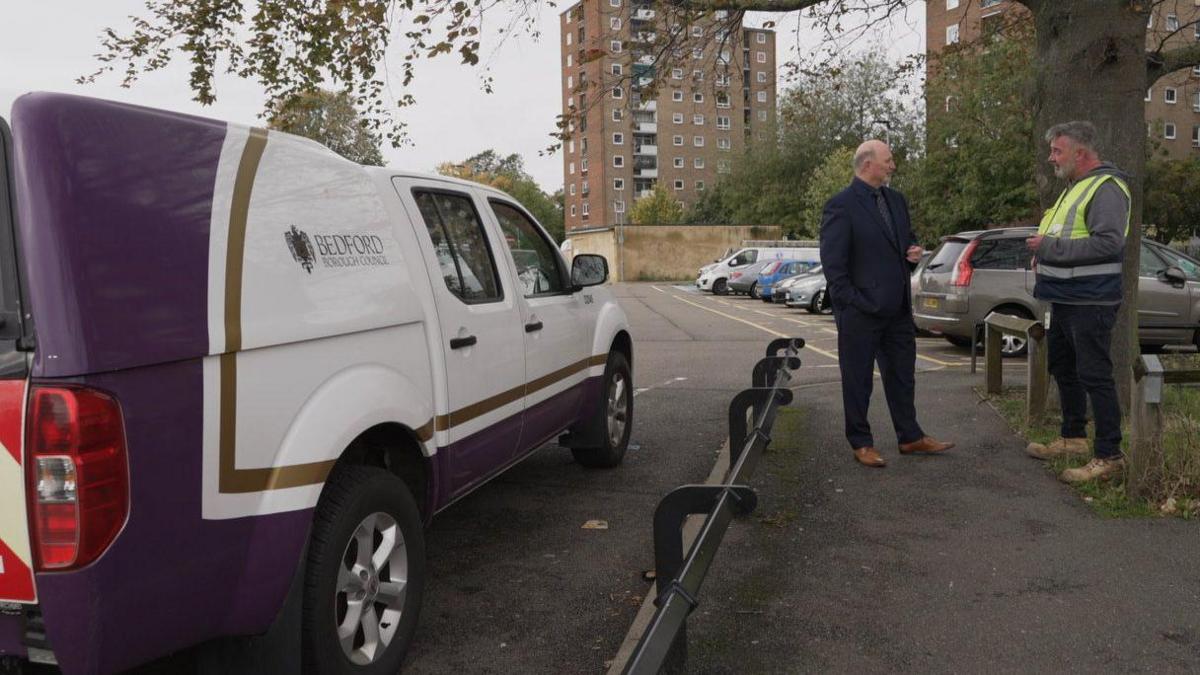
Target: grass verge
point(1181, 440)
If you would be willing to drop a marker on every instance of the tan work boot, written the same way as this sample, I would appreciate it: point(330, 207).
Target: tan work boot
point(1101, 469)
point(1061, 447)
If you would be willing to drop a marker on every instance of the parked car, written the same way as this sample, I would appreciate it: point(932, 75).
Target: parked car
point(240, 373)
point(785, 269)
point(745, 280)
point(974, 273)
point(781, 288)
point(716, 277)
point(915, 283)
point(810, 292)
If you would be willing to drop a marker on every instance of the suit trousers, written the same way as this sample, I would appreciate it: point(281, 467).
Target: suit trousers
point(863, 341)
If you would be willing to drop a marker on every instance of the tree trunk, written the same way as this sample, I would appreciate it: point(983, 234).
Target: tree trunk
point(1091, 65)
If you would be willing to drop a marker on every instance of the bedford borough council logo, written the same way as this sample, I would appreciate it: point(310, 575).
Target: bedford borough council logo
point(301, 247)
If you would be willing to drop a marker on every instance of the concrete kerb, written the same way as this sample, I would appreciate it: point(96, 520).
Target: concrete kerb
point(646, 611)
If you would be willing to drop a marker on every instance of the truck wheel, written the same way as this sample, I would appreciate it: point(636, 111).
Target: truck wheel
point(365, 576)
point(613, 417)
point(720, 287)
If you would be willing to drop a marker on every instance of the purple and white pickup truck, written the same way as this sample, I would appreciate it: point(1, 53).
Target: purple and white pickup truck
point(239, 374)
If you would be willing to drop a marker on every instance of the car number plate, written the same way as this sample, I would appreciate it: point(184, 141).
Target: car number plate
point(931, 303)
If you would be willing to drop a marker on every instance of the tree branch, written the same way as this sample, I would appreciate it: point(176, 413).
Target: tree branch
point(1161, 63)
point(743, 5)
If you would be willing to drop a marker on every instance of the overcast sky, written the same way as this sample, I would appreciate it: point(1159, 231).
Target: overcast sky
point(45, 45)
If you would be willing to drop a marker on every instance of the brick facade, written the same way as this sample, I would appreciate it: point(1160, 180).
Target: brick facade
point(683, 136)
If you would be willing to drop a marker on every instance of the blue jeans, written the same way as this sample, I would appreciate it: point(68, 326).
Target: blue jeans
point(1078, 340)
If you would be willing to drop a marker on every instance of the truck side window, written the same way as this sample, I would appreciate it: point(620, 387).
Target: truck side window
point(538, 267)
point(468, 267)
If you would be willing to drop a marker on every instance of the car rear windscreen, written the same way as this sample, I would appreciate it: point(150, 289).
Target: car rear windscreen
point(946, 255)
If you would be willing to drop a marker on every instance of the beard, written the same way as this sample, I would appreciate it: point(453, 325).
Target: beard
point(1064, 170)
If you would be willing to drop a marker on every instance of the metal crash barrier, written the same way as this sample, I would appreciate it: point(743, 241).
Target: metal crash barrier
point(663, 645)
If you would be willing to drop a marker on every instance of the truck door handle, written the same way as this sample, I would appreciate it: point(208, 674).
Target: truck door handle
point(533, 327)
point(459, 343)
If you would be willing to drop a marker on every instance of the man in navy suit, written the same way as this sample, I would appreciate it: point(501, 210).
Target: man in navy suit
point(868, 252)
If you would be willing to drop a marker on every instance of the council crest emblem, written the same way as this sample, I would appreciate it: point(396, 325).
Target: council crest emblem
point(301, 247)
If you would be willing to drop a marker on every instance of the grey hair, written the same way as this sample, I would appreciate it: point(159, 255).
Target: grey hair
point(862, 156)
point(1081, 132)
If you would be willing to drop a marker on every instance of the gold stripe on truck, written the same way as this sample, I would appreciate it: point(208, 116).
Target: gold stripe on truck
point(487, 405)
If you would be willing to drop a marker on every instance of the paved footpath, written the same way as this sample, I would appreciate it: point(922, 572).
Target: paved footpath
point(977, 561)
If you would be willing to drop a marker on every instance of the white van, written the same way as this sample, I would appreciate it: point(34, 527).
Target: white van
point(715, 277)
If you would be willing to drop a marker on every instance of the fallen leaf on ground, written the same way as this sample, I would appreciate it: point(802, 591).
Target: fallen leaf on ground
point(595, 525)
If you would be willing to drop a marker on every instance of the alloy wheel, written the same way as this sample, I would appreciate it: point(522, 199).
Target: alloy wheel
point(618, 409)
point(371, 588)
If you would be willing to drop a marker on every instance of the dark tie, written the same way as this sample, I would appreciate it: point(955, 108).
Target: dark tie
point(881, 203)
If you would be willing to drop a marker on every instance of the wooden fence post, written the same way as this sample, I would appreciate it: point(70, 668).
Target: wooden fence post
point(993, 360)
point(1143, 466)
point(1037, 381)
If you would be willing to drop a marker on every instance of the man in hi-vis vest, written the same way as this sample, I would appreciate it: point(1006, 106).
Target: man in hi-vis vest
point(1078, 251)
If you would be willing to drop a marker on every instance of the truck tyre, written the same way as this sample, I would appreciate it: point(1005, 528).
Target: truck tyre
point(613, 418)
point(365, 576)
point(720, 287)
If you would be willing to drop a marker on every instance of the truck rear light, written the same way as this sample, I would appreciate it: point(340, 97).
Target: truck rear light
point(963, 270)
point(79, 475)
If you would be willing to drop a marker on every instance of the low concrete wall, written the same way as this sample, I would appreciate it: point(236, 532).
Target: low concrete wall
point(665, 252)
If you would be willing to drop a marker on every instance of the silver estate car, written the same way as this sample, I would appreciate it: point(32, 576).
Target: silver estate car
point(974, 273)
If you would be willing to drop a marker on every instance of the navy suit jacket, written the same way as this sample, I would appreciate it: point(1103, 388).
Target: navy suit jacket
point(865, 267)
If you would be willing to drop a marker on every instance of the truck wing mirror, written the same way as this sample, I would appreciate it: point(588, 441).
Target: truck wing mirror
point(588, 269)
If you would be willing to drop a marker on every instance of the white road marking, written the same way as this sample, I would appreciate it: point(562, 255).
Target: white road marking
point(776, 333)
point(659, 385)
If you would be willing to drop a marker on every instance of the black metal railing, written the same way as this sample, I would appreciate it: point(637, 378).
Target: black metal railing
point(663, 645)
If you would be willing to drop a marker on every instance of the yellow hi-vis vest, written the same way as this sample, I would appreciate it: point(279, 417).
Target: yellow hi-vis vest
point(1071, 208)
point(1068, 219)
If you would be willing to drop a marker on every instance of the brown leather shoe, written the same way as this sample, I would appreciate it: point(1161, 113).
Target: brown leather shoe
point(926, 446)
point(868, 456)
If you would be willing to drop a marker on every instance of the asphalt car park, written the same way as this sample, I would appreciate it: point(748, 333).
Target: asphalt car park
point(541, 571)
